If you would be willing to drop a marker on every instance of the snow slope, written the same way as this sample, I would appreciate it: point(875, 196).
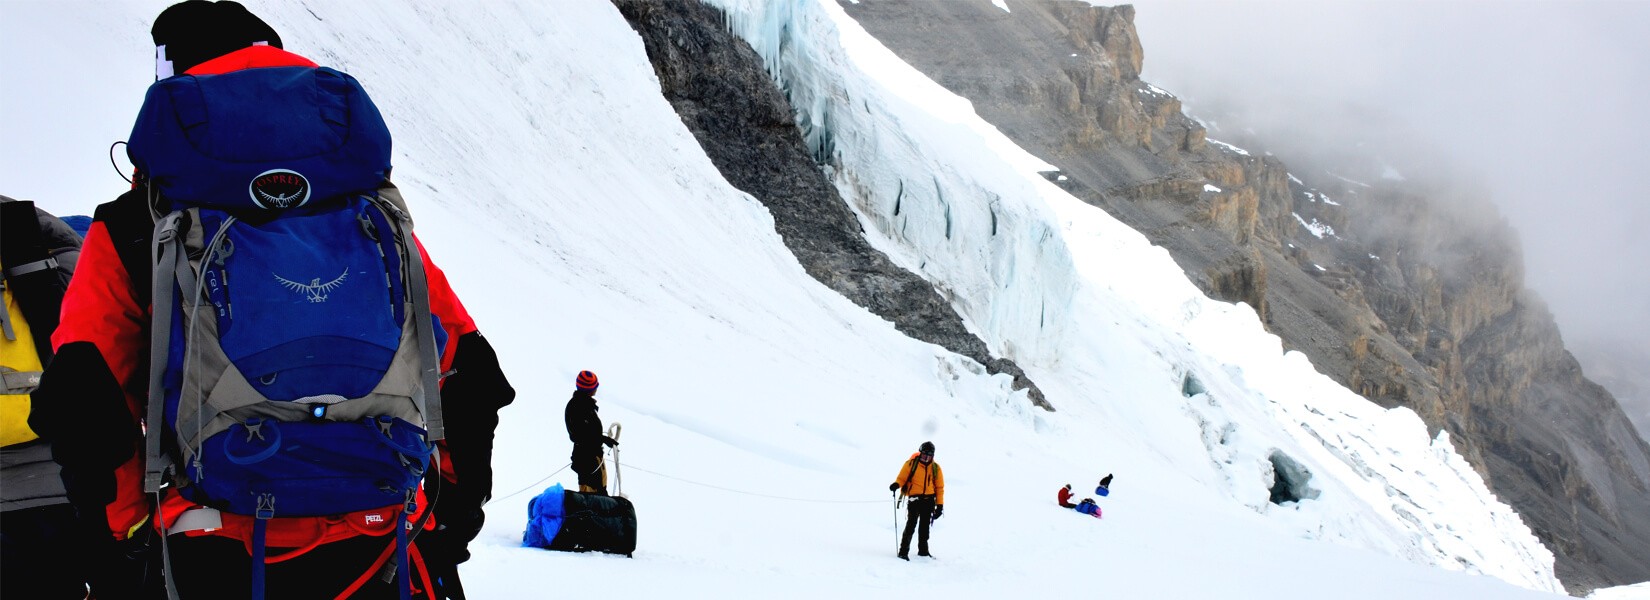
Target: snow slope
point(763, 414)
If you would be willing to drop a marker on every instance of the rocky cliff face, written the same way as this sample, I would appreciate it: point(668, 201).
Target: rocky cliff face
point(719, 87)
point(1395, 296)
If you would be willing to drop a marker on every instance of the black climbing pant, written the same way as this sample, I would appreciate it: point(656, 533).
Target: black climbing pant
point(919, 513)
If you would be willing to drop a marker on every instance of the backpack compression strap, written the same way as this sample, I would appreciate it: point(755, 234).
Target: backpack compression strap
point(5, 318)
point(429, 401)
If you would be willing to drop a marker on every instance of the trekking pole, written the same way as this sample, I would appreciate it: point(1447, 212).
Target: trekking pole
point(613, 432)
point(897, 500)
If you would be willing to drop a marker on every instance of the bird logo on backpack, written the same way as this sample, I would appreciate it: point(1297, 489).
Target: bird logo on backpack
point(316, 290)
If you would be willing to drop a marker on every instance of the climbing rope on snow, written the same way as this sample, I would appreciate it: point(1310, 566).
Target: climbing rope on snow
point(633, 466)
point(613, 433)
point(530, 486)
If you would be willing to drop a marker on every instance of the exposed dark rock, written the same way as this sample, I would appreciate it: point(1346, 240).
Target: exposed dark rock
point(719, 87)
point(1240, 278)
point(1400, 300)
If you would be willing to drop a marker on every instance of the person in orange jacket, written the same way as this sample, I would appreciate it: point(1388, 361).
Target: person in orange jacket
point(921, 480)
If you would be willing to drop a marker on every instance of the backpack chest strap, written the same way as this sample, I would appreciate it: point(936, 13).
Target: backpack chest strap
point(30, 267)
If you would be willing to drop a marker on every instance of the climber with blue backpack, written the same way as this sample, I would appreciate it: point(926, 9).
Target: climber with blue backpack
point(261, 381)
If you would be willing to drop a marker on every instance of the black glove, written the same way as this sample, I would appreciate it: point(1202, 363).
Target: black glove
point(90, 492)
point(609, 441)
point(938, 510)
point(893, 486)
point(119, 569)
point(449, 542)
point(443, 549)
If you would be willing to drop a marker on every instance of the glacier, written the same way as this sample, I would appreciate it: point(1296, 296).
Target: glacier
point(1261, 396)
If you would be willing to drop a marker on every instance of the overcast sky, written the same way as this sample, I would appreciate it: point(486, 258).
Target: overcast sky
point(1543, 102)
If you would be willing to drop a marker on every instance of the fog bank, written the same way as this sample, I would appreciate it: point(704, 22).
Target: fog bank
point(1539, 104)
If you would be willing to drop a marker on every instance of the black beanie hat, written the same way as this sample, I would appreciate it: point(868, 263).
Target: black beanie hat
point(926, 448)
point(192, 32)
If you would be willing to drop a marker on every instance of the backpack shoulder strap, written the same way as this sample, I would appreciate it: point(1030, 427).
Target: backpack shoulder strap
point(171, 262)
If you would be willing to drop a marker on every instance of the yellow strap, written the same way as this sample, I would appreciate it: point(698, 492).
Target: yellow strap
point(133, 531)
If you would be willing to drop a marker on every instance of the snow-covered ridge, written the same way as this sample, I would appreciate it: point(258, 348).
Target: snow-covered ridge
point(896, 136)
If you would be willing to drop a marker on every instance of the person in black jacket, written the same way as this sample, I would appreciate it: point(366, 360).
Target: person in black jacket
point(584, 428)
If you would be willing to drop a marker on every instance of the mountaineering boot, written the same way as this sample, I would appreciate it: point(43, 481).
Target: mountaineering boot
point(924, 553)
point(904, 556)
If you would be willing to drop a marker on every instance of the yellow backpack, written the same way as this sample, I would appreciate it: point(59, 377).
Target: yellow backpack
point(20, 370)
point(38, 253)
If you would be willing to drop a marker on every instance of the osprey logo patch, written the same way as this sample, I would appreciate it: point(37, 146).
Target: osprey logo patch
point(279, 188)
point(316, 290)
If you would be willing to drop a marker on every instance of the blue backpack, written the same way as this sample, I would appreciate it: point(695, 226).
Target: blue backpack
point(294, 357)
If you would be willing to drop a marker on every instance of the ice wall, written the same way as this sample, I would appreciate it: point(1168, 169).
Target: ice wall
point(1001, 263)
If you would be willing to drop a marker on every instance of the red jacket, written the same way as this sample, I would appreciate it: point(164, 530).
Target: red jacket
point(102, 307)
point(1065, 497)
